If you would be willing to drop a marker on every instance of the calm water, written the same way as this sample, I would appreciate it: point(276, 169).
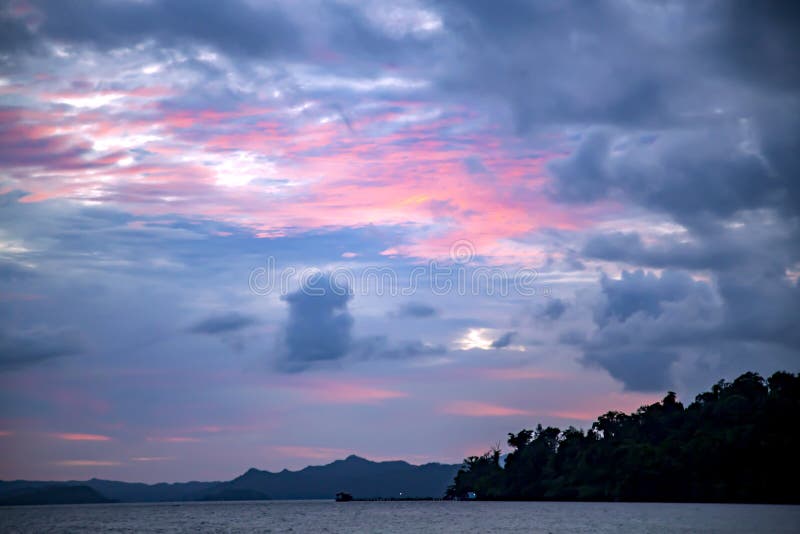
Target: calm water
point(328, 516)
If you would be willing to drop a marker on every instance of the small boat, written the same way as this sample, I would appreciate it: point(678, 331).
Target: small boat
point(343, 497)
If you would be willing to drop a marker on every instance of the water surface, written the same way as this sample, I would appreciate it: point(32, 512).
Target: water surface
point(423, 516)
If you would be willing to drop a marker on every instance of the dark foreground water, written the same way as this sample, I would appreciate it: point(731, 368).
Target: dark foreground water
point(328, 516)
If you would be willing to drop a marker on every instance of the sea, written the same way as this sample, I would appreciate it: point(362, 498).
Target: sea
point(401, 516)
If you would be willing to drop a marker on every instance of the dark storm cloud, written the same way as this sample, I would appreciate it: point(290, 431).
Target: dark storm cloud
point(615, 63)
point(750, 300)
point(504, 340)
point(646, 293)
point(565, 62)
point(644, 322)
point(758, 41)
point(14, 34)
point(222, 323)
point(320, 326)
point(688, 111)
point(28, 347)
point(638, 370)
point(583, 177)
point(629, 248)
point(715, 171)
point(754, 243)
point(414, 310)
point(760, 306)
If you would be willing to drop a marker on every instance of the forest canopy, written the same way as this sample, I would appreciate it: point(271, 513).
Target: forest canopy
point(738, 442)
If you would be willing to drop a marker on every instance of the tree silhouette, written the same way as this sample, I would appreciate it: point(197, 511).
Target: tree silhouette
point(737, 442)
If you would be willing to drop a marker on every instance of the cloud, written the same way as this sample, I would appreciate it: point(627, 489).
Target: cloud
point(320, 329)
point(503, 341)
point(20, 349)
point(712, 169)
point(12, 271)
point(70, 436)
point(582, 177)
point(223, 323)
point(639, 370)
point(343, 392)
point(645, 293)
point(379, 347)
point(87, 463)
point(762, 306)
point(650, 327)
point(645, 323)
point(481, 409)
point(320, 326)
point(236, 27)
point(554, 309)
point(415, 310)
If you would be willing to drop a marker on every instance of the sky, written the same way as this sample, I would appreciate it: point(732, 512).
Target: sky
point(272, 234)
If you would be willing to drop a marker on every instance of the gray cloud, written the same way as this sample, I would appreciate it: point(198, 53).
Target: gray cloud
point(379, 347)
point(319, 327)
point(583, 177)
point(648, 326)
point(222, 323)
point(569, 63)
point(754, 240)
point(640, 370)
point(28, 347)
point(234, 27)
point(714, 169)
point(416, 310)
point(554, 309)
point(645, 293)
point(504, 340)
point(12, 271)
point(761, 306)
point(644, 324)
point(628, 247)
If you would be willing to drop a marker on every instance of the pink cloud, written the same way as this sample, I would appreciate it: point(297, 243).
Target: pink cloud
point(68, 436)
point(87, 463)
point(399, 167)
point(480, 409)
point(352, 393)
point(520, 374)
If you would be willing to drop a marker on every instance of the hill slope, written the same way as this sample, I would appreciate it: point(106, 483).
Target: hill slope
point(62, 494)
point(360, 477)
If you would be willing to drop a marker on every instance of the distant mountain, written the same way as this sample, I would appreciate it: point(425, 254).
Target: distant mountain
point(360, 477)
point(122, 491)
point(138, 492)
point(59, 494)
point(357, 476)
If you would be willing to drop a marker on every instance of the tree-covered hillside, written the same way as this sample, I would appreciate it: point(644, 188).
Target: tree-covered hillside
point(739, 442)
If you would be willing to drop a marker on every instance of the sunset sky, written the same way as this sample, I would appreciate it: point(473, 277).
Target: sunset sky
point(637, 162)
